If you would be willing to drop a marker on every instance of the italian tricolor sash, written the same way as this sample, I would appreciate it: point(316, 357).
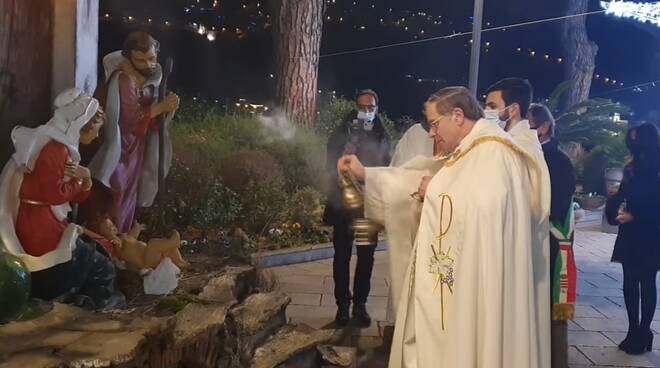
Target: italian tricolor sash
point(564, 288)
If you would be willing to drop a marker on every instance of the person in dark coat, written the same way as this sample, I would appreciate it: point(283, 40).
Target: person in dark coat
point(361, 133)
point(562, 181)
point(636, 209)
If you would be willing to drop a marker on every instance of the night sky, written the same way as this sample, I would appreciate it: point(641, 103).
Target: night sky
point(239, 63)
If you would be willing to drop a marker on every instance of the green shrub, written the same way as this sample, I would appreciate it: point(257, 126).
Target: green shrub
point(306, 208)
point(228, 171)
point(332, 112)
point(302, 160)
point(594, 166)
point(591, 122)
point(263, 204)
point(220, 209)
point(239, 169)
point(210, 205)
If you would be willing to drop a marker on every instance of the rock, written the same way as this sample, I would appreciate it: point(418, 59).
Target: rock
point(198, 335)
point(197, 319)
point(338, 356)
point(233, 286)
point(71, 337)
point(198, 338)
point(252, 322)
point(292, 346)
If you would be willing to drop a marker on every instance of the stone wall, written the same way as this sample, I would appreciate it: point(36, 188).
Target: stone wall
point(226, 325)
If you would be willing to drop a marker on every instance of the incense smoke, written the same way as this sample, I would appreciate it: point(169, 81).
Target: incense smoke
point(277, 127)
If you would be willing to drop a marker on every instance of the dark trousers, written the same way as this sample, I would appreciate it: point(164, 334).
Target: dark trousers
point(639, 285)
point(559, 344)
point(343, 243)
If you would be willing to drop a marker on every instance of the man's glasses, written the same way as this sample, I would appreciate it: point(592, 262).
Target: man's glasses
point(433, 124)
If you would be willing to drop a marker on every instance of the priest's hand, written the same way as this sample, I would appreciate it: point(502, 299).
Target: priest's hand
point(351, 165)
point(421, 191)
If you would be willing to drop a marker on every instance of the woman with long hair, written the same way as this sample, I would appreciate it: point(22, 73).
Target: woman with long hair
point(636, 209)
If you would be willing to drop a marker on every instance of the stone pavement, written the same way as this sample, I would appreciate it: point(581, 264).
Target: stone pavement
point(593, 337)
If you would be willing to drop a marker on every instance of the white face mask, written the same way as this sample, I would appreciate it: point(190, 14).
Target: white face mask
point(494, 117)
point(367, 116)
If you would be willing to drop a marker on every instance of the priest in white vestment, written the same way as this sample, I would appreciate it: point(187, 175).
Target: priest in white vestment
point(401, 230)
point(416, 141)
point(507, 105)
point(469, 296)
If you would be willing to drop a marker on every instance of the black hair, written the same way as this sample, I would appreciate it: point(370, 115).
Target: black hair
point(541, 115)
point(369, 92)
point(515, 90)
point(644, 147)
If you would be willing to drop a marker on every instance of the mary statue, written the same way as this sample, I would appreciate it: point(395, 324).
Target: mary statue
point(37, 186)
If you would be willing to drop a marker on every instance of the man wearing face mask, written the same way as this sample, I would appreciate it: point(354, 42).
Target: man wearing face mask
point(362, 134)
point(507, 104)
point(508, 101)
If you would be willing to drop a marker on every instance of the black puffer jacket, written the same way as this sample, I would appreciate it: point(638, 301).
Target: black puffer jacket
point(373, 150)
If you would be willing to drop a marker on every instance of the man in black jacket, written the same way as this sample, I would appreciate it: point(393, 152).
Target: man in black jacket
point(362, 134)
point(562, 181)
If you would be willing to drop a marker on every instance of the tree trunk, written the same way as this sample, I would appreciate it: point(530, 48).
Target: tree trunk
point(25, 66)
point(580, 53)
point(297, 30)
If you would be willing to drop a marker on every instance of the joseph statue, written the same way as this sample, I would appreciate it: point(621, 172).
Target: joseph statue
point(125, 165)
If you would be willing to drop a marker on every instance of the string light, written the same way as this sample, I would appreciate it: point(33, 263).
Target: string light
point(559, 60)
point(424, 17)
point(641, 12)
point(193, 9)
point(637, 88)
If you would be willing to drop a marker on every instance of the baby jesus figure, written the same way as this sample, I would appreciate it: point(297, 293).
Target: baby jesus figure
point(135, 253)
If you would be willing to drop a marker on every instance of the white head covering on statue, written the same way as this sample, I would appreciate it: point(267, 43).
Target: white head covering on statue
point(73, 110)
